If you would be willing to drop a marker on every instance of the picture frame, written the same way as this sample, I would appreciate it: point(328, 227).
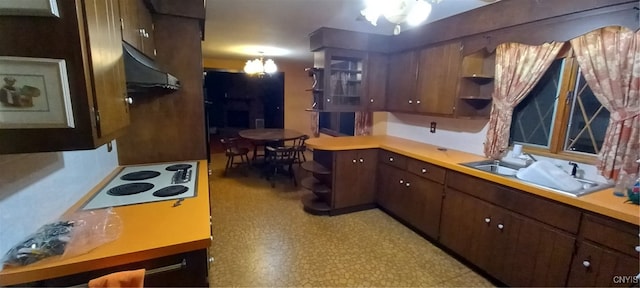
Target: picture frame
point(47, 8)
point(34, 93)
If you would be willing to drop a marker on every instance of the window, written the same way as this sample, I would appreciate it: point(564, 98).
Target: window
point(561, 115)
point(337, 123)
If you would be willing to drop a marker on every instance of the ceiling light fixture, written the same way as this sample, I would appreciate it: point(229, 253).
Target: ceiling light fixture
point(260, 67)
point(413, 12)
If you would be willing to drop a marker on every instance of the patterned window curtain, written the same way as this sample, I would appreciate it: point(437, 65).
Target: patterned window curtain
point(364, 123)
point(610, 62)
point(518, 68)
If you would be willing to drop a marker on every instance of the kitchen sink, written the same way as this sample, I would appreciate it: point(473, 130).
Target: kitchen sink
point(495, 167)
point(509, 170)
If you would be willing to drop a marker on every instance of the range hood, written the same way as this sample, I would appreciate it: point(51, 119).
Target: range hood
point(143, 75)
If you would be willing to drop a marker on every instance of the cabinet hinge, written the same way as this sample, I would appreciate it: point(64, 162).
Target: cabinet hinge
point(121, 24)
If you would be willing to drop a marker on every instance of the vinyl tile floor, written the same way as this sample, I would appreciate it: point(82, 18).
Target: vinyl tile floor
point(263, 238)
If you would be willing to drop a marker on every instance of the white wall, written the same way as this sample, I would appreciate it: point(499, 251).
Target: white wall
point(37, 188)
point(459, 134)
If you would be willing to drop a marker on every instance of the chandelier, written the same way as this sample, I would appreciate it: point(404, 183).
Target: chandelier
point(413, 12)
point(260, 67)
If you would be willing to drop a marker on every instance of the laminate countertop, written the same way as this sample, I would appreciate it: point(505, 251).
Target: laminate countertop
point(602, 202)
point(149, 230)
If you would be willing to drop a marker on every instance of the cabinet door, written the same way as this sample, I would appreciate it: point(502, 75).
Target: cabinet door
point(130, 25)
point(344, 79)
point(353, 170)
point(429, 195)
point(402, 80)
point(376, 81)
point(146, 24)
point(438, 73)
point(535, 254)
point(594, 265)
point(391, 193)
point(107, 66)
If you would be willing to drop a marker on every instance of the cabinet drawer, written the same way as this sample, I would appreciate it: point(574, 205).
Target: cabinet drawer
point(547, 211)
point(393, 159)
point(611, 233)
point(426, 170)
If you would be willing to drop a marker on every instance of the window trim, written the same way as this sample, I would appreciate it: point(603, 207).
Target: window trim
point(562, 115)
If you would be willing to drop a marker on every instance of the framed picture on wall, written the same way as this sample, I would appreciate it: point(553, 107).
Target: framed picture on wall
point(34, 93)
point(29, 8)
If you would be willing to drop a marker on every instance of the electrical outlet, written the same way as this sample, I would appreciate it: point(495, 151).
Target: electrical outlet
point(433, 127)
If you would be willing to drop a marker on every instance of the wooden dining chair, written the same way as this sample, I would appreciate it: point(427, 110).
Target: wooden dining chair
point(280, 159)
point(300, 145)
point(231, 150)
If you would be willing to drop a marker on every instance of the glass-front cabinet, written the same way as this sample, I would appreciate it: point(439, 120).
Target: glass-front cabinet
point(344, 79)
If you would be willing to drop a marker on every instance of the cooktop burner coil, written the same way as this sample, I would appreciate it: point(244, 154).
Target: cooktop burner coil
point(140, 175)
point(130, 189)
point(171, 191)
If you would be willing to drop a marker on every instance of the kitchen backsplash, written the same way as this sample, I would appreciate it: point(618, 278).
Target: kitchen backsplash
point(460, 134)
point(37, 188)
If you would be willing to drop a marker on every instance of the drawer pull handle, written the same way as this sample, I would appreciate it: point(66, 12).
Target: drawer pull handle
point(500, 226)
point(371, 100)
point(173, 267)
point(361, 160)
point(390, 159)
point(637, 248)
point(424, 170)
point(354, 160)
point(410, 101)
point(211, 259)
point(401, 181)
point(586, 263)
point(487, 220)
point(407, 184)
point(417, 101)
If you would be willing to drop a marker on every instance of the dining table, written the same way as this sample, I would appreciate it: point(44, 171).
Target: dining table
point(262, 136)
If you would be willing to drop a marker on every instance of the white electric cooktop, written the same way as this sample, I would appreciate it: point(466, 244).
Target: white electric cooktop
point(148, 183)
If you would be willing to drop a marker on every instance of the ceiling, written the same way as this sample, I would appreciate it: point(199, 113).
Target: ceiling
point(280, 28)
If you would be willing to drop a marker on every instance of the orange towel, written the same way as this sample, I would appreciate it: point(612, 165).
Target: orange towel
point(133, 278)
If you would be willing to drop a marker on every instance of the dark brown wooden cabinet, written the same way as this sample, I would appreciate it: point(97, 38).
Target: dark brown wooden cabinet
point(92, 51)
point(414, 198)
point(401, 83)
point(137, 26)
point(352, 185)
point(607, 254)
point(438, 74)
point(514, 249)
point(595, 265)
point(376, 82)
point(188, 269)
point(425, 81)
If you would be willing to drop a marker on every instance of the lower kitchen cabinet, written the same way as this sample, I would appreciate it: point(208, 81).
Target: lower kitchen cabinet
point(595, 265)
point(607, 254)
point(411, 198)
point(189, 269)
point(514, 249)
point(352, 184)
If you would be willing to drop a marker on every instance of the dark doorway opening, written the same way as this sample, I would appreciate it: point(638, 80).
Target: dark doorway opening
point(236, 101)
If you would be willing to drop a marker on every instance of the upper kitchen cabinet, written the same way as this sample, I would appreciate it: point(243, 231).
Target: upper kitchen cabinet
point(351, 70)
point(87, 41)
point(438, 72)
point(344, 78)
point(424, 81)
point(402, 78)
point(476, 85)
point(137, 26)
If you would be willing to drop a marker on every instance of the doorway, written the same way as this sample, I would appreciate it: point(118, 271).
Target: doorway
point(236, 101)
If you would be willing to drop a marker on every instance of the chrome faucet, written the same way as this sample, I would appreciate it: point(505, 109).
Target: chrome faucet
point(574, 170)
